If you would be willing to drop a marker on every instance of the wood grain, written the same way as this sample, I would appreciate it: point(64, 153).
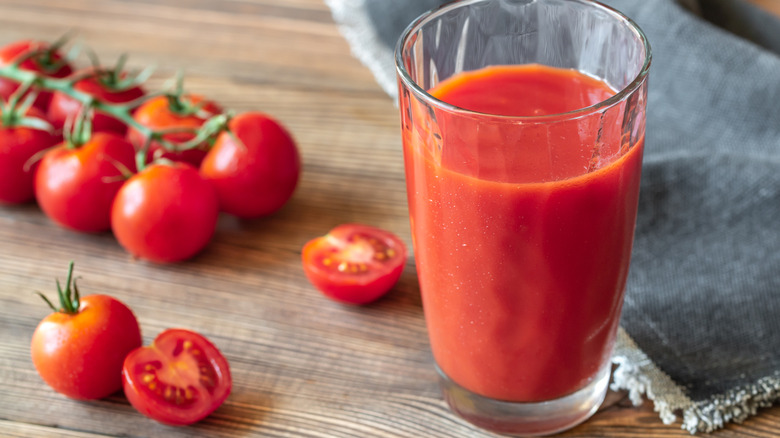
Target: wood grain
point(772, 6)
point(303, 366)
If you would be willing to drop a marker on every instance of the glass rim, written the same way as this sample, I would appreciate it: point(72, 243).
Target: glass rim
point(618, 97)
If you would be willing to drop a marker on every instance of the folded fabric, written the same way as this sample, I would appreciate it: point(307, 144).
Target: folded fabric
point(701, 320)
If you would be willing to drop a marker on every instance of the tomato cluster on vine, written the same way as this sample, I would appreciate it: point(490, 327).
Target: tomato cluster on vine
point(98, 152)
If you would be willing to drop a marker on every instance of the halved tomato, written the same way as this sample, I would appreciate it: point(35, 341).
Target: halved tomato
point(180, 379)
point(354, 263)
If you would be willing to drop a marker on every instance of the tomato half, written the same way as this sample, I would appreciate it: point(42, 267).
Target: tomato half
point(254, 167)
point(160, 113)
point(180, 379)
point(354, 263)
point(79, 350)
point(165, 213)
point(46, 61)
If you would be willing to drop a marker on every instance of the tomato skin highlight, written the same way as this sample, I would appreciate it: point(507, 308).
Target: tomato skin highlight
point(354, 263)
point(18, 145)
point(64, 107)
point(13, 51)
point(76, 187)
point(179, 379)
point(165, 213)
point(81, 355)
point(258, 175)
point(156, 113)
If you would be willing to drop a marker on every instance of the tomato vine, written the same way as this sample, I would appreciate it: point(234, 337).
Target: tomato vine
point(122, 111)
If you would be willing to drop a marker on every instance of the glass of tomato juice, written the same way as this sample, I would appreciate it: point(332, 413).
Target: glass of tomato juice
point(523, 126)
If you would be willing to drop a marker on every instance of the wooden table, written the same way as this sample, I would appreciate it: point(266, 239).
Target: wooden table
point(302, 365)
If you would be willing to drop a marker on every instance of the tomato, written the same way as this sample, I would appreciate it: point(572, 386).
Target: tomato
point(354, 263)
point(106, 87)
point(75, 186)
point(165, 213)
point(162, 113)
point(79, 349)
point(47, 62)
point(256, 175)
point(18, 146)
point(180, 379)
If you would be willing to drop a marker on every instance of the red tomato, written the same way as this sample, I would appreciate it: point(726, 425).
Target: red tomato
point(354, 263)
point(257, 175)
point(101, 86)
point(165, 213)
point(75, 187)
point(18, 146)
point(159, 113)
point(79, 350)
point(49, 63)
point(180, 379)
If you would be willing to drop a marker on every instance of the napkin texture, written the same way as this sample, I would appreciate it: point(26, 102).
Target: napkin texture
point(700, 331)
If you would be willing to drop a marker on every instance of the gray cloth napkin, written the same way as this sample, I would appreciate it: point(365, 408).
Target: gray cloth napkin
point(700, 332)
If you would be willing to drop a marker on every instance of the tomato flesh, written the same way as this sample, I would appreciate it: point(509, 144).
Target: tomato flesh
point(354, 263)
point(180, 379)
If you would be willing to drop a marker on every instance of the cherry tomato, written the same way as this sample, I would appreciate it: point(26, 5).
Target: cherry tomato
point(165, 213)
point(256, 175)
point(354, 263)
point(79, 349)
point(75, 186)
point(163, 113)
point(180, 379)
point(104, 87)
point(47, 62)
point(18, 146)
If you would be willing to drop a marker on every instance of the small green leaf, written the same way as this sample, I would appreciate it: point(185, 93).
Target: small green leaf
point(47, 301)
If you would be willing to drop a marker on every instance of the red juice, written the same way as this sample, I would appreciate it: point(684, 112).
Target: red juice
point(522, 227)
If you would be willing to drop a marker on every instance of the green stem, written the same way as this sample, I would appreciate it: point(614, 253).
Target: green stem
point(123, 112)
point(65, 86)
point(69, 297)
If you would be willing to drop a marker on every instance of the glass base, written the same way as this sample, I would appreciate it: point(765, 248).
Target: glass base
point(526, 419)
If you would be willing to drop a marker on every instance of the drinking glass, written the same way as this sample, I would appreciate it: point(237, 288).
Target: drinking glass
point(522, 257)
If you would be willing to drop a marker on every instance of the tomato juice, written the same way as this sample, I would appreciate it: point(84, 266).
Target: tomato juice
point(523, 212)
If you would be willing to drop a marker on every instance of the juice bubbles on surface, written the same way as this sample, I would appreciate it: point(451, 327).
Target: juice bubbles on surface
point(522, 226)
